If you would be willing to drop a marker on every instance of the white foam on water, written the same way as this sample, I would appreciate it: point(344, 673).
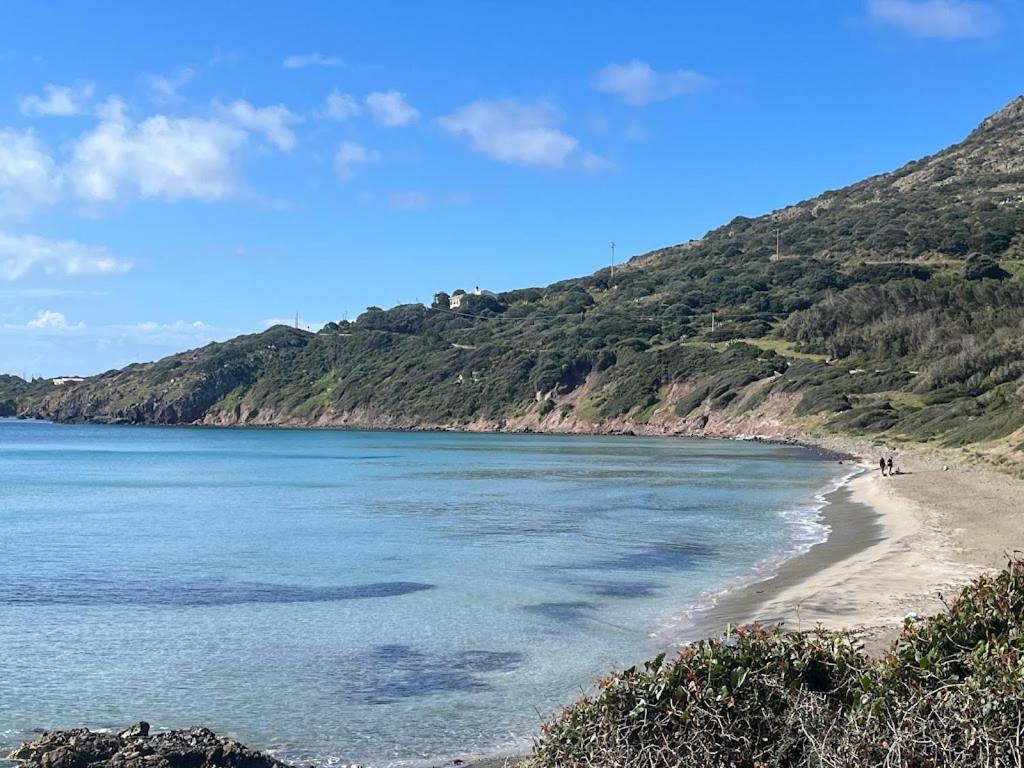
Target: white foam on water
point(809, 527)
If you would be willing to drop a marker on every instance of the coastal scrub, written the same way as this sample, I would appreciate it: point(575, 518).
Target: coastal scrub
point(949, 692)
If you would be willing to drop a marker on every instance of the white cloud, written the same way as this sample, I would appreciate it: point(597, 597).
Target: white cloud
point(636, 84)
point(518, 133)
point(113, 108)
point(588, 162)
point(168, 158)
point(167, 86)
point(340, 106)
point(196, 327)
point(21, 255)
point(176, 335)
point(49, 320)
point(51, 344)
point(272, 121)
point(349, 154)
point(59, 101)
point(303, 60)
point(947, 19)
point(29, 178)
point(391, 109)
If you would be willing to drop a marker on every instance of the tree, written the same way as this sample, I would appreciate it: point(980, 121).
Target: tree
point(442, 301)
point(979, 266)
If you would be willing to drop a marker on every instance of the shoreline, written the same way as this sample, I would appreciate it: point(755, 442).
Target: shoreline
point(893, 545)
point(853, 527)
point(896, 546)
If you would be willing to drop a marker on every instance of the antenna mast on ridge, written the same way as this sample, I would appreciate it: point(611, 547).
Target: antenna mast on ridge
point(611, 247)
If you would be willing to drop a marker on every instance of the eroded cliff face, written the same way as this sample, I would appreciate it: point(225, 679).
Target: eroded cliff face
point(773, 418)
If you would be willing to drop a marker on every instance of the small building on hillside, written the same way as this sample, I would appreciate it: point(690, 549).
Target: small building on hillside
point(60, 381)
point(457, 297)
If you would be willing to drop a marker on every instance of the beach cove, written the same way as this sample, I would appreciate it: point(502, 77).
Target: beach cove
point(307, 591)
point(898, 547)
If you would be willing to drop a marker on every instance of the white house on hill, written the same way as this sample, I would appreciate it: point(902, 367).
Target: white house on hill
point(456, 299)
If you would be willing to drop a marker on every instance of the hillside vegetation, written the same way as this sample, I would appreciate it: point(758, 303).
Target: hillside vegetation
point(896, 307)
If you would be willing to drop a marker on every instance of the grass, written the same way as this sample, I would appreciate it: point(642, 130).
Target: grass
point(906, 401)
point(784, 348)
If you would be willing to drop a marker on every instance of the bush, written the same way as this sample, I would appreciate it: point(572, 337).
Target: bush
point(979, 267)
point(743, 701)
point(949, 693)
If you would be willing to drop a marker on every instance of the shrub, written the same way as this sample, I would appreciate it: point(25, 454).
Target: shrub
point(978, 267)
point(949, 693)
point(745, 700)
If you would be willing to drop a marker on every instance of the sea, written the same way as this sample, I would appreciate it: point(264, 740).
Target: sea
point(386, 598)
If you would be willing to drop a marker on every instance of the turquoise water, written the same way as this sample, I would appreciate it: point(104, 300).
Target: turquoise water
point(360, 596)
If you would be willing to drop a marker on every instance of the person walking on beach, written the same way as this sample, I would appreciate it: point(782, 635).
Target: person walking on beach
point(889, 464)
point(881, 465)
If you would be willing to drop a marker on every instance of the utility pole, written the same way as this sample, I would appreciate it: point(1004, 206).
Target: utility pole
point(611, 247)
point(778, 235)
point(296, 320)
point(712, 322)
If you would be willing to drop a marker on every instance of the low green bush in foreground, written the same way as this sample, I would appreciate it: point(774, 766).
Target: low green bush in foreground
point(949, 692)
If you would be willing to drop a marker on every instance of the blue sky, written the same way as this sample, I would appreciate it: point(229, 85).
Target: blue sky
point(171, 175)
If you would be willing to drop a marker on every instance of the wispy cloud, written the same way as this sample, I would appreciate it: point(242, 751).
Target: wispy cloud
point(167, 86)
point(272, 122)
point(52, 343)
point(304, 60)
point(22, 255)
point(944, 19)
point(50, 322)
point(29, 177)
point(390, 108)
point(340, 106)
point(58, 100)
point(518, 133)
point(637, 84)
point(408, 201)
point(48, 293)
point(416, 200)
point(351, 154)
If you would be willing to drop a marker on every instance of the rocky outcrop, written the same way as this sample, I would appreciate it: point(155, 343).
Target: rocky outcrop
point(136, 747)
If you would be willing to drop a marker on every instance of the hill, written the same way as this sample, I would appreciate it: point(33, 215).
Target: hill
point(895, 306)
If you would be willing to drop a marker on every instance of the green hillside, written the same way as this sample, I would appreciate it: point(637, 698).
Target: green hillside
point(896, 307)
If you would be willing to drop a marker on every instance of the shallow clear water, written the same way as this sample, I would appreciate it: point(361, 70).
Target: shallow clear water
point(380, 597)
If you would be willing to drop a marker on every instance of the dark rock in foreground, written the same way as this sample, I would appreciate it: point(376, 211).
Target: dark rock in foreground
point(138, 748)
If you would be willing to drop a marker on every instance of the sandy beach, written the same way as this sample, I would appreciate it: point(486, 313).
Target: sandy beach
point(897, 545)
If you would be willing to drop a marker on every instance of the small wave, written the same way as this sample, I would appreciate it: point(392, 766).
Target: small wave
point(807, 520)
